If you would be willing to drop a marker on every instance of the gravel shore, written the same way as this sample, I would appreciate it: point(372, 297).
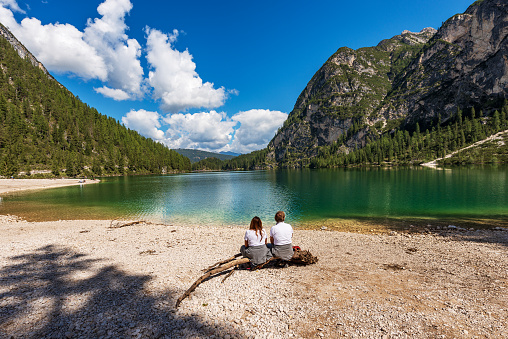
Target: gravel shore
point(15, 185)
point(83, 279)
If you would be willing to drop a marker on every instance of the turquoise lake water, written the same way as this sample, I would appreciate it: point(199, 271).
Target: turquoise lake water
point(307, 196)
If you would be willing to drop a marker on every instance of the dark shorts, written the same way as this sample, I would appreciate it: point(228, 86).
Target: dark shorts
point(257, 254)
point(284, 252)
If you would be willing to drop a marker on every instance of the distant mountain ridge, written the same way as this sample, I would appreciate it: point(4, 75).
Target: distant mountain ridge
point(231, 153)
point(412, 79)
point(197, 155)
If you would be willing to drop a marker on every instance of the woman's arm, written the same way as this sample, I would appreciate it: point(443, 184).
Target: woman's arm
point(246, 244)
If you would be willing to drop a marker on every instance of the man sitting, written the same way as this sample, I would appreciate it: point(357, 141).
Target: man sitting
point(281, 236)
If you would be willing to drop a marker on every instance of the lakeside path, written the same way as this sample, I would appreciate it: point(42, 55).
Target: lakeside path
point(14, 185)
point(498, 136)
point(80, 279)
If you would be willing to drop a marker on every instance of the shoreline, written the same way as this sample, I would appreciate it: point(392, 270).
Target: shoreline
point(82, 278)
point(8, 186)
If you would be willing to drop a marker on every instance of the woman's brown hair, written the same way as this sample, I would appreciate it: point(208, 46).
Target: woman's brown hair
point(257, 225)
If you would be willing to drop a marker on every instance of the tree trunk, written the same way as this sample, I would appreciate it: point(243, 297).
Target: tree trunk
point(299, 258)
point(210, 273)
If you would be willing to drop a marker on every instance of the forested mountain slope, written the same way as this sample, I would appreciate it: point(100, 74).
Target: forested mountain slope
point(43, 126)
point(434, 90)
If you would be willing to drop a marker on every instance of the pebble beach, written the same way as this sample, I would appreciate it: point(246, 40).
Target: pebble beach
point(86, 279)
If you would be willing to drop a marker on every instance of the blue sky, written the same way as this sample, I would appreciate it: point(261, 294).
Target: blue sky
point(211, 75)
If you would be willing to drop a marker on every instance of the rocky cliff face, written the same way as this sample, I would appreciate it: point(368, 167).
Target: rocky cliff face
point(22, 51)
point(464, 65)
point(410, 78)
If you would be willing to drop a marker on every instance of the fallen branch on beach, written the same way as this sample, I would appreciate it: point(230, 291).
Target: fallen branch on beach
point(228, 275)
point(210, 273)
point(120, 225)
point(221, 262)
point(299, 258)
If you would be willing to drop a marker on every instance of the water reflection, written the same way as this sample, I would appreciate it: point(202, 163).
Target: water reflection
point(233, 198)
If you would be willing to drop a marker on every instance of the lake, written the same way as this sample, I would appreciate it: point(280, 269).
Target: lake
point(309, 197)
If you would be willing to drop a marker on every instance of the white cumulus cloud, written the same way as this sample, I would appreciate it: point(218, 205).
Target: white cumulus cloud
point(120, 54)
point(61, 48)
point(257, 128)
point(174, 78)
point(210, 131)
point(206, 130)
point(145, 122)
point(12, 4)
point(113, 93)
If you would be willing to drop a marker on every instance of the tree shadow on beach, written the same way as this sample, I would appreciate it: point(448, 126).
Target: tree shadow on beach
point(499, 237)
point(55, 292)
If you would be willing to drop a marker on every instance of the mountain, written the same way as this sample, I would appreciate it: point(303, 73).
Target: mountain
point(21, 50)
point(464, 65)
point(196, 155)
point(231, 153)
point(252, 161)
point(45, 128)
point(423, 80)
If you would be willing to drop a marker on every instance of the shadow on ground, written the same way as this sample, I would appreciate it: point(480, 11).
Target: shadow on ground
point(55, 292)
point(467, 229)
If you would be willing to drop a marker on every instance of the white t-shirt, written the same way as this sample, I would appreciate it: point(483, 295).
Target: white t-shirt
point(281, 233)
point(253, 239)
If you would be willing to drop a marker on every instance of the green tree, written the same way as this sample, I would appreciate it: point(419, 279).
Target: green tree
point(70, 166)
point(96, 167)
point(496, 121)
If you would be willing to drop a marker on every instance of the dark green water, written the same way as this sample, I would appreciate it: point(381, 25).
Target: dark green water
point(233, 198)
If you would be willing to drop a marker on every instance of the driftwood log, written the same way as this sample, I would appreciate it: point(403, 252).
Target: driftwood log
point(119, 224)
point(219, 269)
point(299, 258)
point(217, 264)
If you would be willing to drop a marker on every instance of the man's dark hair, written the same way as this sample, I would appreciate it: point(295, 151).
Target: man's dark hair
point(280, 216)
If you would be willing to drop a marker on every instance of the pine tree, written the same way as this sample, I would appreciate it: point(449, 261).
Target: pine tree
point(55, 168)
point(496, 121)
point(70, 166)
point(504, 114)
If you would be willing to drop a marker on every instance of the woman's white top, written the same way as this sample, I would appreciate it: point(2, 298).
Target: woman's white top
point(255, 240)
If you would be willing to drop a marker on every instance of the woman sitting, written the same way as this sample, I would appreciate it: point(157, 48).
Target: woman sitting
point(255, 243)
